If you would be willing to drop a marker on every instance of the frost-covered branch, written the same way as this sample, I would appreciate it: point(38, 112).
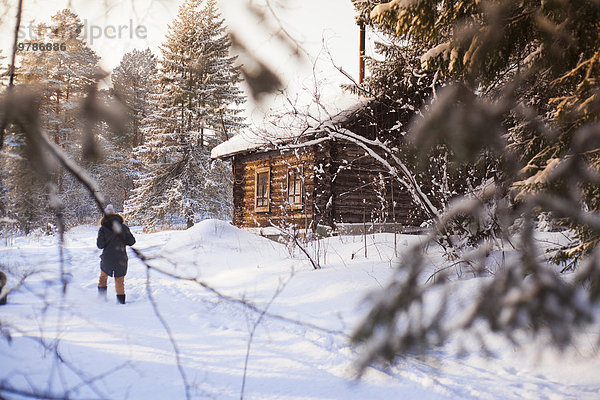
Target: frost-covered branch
point(404, 176)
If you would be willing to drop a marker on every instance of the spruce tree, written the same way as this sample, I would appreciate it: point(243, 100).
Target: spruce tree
point(541, 58)
point(522, 88)
point(195, 105)
point(132, 87)
point(132, 80)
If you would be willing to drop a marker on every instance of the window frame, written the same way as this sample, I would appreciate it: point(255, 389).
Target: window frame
point(299, 171)
point(257, 172)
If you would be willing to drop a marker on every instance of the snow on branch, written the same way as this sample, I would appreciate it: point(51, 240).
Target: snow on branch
point(399, 170)
point(380, 10)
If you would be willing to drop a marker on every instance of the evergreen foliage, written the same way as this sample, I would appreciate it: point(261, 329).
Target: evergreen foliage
point(518, 92)
point(132, 83)
point(542, 54)
point(195, 105)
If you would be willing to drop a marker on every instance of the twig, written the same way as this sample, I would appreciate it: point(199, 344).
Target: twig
point(85, 381)
point(15, 40)
point(241, 302)
point(32, 394)
point(294, 237)
point(4, 121)
point(440, 270)
point(253, 331)
point(169, 334)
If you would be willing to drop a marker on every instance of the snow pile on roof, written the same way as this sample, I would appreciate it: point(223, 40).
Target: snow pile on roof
point(264, 139)
point(240, 143)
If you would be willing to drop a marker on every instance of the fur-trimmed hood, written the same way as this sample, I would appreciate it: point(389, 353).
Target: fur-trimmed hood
point(109, 217)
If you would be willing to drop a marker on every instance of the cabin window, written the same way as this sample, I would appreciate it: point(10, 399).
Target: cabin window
point(295, 196)
point(262, 190)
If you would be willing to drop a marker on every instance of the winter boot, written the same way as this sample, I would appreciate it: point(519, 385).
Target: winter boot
point(102, 292)
point(121, 298)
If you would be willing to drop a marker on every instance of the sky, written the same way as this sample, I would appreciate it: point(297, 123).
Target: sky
point(325, 30)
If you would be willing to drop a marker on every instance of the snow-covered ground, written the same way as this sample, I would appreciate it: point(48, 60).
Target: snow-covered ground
point(75, 345)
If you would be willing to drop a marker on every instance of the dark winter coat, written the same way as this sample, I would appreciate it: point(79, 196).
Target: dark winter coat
point(113, 235)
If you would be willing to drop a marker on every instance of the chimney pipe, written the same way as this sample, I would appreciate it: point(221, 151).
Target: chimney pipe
point(361, 54)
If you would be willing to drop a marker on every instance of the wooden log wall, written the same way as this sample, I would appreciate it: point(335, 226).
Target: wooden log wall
point(364, 191)
point(362, 187)
point(341, 185)
point(244, 172)
point(323, 203)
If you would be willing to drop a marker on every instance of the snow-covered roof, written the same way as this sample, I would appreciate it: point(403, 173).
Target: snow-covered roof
point(249, 140)
point(242, 143)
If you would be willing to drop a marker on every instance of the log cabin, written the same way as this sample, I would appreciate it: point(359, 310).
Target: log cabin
point(312, 179)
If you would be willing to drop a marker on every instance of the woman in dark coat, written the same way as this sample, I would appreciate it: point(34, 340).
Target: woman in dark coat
point(113, 235)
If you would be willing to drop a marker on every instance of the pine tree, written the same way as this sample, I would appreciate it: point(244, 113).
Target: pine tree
point(66, 75)
point(63, 77)
point(195, 104)
point(550, 49)
point(199, 74)
point(24, 189)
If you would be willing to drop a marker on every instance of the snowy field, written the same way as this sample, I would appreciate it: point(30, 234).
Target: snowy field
point(78, 346)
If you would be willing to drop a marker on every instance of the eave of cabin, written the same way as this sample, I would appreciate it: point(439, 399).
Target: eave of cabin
point(245, 143)
point(248, 141)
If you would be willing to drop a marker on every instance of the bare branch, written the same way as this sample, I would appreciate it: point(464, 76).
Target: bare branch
point(253, 331)
point(167, 329)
